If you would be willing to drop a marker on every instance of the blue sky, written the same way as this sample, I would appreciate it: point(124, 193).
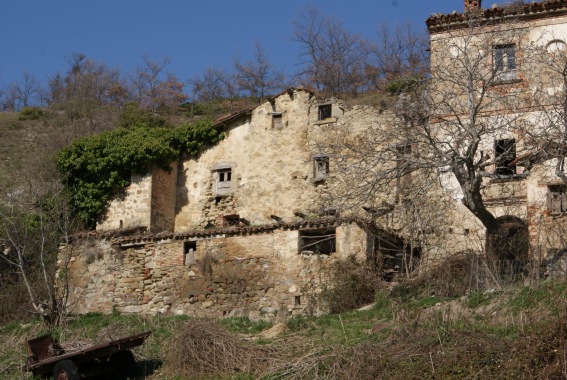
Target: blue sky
point(39, 35)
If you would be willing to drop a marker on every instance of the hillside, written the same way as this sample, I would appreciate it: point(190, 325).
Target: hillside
point(514, 333)
point(19, 146)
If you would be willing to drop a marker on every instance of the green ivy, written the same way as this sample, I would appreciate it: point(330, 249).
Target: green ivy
point(95, 168)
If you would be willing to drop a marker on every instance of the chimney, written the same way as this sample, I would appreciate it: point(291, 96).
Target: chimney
point(472, 5)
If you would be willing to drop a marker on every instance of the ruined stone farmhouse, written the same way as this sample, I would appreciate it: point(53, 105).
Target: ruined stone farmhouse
point(251, 225)
point(242, 229)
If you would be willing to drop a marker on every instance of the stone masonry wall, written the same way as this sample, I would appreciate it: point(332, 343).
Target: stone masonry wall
point(130, 209)
point(254, 275)
point(272, 168)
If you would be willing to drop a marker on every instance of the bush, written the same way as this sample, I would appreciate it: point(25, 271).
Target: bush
point(95, 168)
point(400, 85)
point(458, 275)
point(31, 113)
point(352, 285)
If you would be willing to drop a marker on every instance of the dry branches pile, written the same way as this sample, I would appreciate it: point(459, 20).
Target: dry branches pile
point(458, 275)
point(203, 348)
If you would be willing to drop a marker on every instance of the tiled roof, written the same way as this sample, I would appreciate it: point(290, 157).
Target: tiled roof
point(139, 235)
point(549, 8)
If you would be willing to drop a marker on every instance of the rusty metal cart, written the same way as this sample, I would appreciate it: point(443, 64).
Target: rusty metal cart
point(111, 359)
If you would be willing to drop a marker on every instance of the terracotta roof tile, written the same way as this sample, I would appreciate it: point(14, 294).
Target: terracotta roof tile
point(440, 22)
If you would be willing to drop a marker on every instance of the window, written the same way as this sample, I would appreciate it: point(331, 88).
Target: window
point(325, 111)
point(277, 120)
point(224, 178)
point(505, 61)
point(319, 241)
point(505, 155)
point(320, 167)
point(189, 249)
point(231, 221)
point(557, 199)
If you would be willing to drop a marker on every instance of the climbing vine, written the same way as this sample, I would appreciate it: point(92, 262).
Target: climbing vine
point(95, 168)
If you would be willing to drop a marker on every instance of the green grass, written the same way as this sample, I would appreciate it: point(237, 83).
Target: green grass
point(459, 347)
point(477, 299)
point(244, 325)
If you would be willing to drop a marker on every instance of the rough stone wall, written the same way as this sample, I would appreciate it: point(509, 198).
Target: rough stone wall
point(272, 168)
point(548, 231)
point(255, 275)
point(131, 208)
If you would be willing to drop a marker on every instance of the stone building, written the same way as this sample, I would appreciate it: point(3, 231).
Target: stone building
point(243, 229)
point(513, 88)
point(250, 226)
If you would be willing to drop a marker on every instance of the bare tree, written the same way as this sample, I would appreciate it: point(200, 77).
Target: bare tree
point(258, 77)
point(460, 131)
point(209, 86)
point(399, 53)
point(22, 93)
point(154, 87)
point(32, 225)
point(333, 58)
point(169, 94)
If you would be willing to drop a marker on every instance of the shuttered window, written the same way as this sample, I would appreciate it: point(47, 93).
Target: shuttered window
point(224, 178)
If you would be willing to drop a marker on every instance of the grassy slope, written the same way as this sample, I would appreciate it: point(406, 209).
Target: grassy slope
point(517, 333)
point(18, 144)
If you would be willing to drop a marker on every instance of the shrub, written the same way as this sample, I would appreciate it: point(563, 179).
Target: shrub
point(31, 113)
point(400, 85)
point(458, 275)
point(352, 285)
point(95, 168)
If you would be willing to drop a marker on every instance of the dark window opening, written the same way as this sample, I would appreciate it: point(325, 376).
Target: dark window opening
point(403, 152)
point(505, 155)
point(321, 167)
point(319, 242)
point(231, 221)
point(189, 249)
point(557, 199)
point(224, 178)
point(325, 111)
point(297, 300)
point(505, 61)
point(277, 120)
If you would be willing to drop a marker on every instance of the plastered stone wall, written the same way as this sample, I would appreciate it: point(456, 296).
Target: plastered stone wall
point(131, 208)
point(272, 168)
point(255, 275)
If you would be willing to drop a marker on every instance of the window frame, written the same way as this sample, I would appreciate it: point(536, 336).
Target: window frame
point(277, 116)
point(189, 252)
point(504, 155)
point(327, 245)
point(232, 220)
point(223, 181)
point(557, 199)
point(505, 61)
point(324, 111)
point(321, 167)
